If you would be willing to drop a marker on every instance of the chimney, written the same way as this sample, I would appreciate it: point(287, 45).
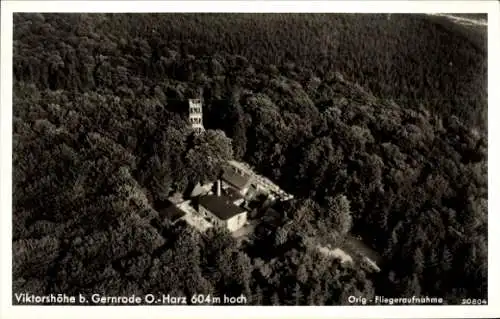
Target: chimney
point(218, 188)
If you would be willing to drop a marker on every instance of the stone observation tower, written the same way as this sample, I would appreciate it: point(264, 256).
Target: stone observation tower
point(196, 115)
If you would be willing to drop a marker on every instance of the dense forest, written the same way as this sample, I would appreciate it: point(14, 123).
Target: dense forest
point(380, 119)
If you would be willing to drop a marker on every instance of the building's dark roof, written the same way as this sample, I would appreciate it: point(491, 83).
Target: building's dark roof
point(237, 180)
point(166, 209)
point(220, 206)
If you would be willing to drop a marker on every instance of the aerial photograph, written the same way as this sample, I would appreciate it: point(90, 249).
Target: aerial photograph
point(256, 159)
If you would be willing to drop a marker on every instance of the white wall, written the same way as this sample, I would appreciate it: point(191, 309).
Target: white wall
point(238, 202)
point(244, 191)
point(227, 185)
point(236, 222)
point(213, 219)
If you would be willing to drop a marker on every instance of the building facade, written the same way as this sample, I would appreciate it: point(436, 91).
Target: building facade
point(222, 212)
point(235, 180)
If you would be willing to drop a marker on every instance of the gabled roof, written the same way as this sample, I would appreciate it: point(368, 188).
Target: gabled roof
point(220, 206)
point(238, 181)
point(167, 209)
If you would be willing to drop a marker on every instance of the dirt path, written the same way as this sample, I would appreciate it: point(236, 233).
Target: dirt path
point(351, 250)
point(355, 246)
point(462, 20)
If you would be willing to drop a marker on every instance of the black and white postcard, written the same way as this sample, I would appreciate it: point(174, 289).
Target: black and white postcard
point(171, 155)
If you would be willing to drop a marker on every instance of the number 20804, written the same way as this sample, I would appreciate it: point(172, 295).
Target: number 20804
point(469, 301)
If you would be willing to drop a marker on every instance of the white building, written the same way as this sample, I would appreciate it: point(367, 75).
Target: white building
point(222, 212)
point(236, 180)
point(241, 176)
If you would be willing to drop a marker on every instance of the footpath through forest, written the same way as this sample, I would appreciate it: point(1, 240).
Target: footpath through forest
point(462, 20)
